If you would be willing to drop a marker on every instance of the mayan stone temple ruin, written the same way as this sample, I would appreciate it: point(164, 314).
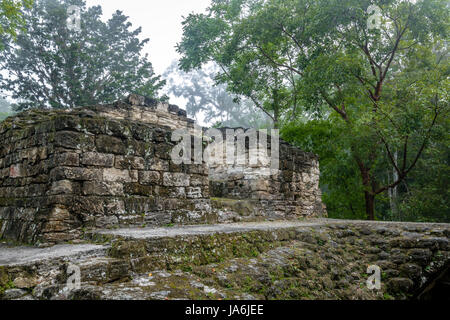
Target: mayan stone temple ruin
point(95, 193)
point(110, 166)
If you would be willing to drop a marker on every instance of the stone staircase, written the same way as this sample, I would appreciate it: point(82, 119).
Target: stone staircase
point(311, 259)
point(109, 255)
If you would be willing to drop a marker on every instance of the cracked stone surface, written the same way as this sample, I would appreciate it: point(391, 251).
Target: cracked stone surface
point(149, 233)
point(319, 259)
point(13, 256)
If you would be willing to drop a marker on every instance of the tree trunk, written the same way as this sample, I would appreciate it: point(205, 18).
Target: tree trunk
point(276, 109)
point(368, 195)
point(394, 193)
point(370, 205)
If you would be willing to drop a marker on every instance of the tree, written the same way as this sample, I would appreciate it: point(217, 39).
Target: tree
point(213, 101)
point(226, 37)
point(11, 19)
point(52, 66)
point(384, 89)
point(422, 196)
point(343, 192)
point(425, 196)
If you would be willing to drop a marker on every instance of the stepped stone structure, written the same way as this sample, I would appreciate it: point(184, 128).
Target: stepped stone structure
point(292, 260)
point(290, 191)
point(65, 171)
point(98, 189)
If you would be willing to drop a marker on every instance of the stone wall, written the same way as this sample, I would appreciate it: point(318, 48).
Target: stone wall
point(104, 166)
point(62, 172)
point(290, 191)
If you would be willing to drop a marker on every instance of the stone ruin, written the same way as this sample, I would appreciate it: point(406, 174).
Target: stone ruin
point(63, 172)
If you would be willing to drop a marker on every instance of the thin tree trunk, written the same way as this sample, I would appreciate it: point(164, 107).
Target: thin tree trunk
point(394, 194)
point(368, 195)
point(370, 205)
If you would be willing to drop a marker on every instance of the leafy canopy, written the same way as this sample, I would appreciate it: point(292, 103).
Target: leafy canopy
point(381, 92)
point(11, 19)
point(212, 101)
point(51, 66)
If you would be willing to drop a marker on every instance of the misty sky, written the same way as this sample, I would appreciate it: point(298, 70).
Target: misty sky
point(161, 23)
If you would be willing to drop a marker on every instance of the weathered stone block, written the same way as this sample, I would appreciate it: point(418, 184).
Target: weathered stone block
point(109, 144)
point(400, 285)
point(411, 270)
point(94, 126)
point(118, 129)
point(117, 175)
point(259, 185)
point(138, 148)
point(67, 159)
point(164, 151)
point(194, 192)
point(62, 187)
point(114, 206)
point(130, 162)
point(137, 205)
point(137, 189)
point(198, 180)
point(103, 188)
point(74, 140)
point(178, 192)
point(176, 179)
point(90, 205)
point(34, 155)
point(17, 171)
point(156, 164)
point(97, 159)
point(149, 177)
point(106, 222)
point(62, 122)
point(75, 173)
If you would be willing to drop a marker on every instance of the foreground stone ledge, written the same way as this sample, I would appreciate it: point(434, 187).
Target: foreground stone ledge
point(20, 256)
point(317, 259)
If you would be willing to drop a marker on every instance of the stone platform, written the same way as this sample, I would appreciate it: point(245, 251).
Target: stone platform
point(21, 256)
point(312, 259)
point(204, 230)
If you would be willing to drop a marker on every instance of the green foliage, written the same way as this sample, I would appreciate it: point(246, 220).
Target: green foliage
point(11, 19)
point(213, 101)
point(425, 195)
point(230, 36)
point(340, 181)
point(52, 66)
point(377, 95)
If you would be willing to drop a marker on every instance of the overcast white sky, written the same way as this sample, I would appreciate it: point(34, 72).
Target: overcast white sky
point(160, 21)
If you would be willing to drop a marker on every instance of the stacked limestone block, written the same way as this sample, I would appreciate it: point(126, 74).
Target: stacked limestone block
point(106, 166)
point(291, 192)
